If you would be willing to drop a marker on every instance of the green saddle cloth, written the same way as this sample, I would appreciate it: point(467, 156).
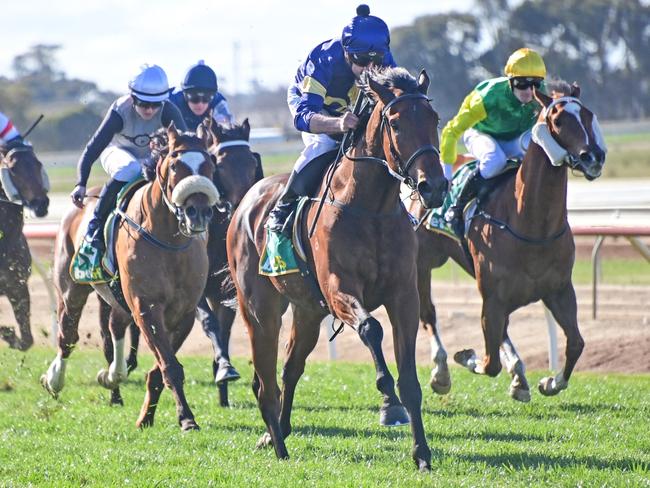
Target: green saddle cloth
point(278, 257)
point(86, 266)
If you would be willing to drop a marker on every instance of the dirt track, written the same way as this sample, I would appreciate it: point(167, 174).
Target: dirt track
point(619, 340)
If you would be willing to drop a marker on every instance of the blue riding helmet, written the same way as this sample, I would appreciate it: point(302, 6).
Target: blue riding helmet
point(365, 33)
point(200, 77)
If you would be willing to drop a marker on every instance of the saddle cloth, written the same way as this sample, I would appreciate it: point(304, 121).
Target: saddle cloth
point(89, 266)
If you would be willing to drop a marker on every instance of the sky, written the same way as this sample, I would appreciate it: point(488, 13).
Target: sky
point(106, 41)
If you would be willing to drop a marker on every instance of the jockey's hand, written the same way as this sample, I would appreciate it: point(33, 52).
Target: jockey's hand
point(348, 121)
point(78, 195)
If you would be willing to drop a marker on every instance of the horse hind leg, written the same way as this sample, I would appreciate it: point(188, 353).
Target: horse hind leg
point(562, 305)
point(392, 412)
point(440, 380)
point(132, 359)
point(151, 398)
point(519, 389)
point(114, 340)
point(304, 336)
point(69, 308)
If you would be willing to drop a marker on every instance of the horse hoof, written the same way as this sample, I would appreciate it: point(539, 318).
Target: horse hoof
point(189, 425)
point(549, 386)
point(264, 441)
point(423, 466)
point(520, 394)
point(225, 374)
point(439, 387)
point(144, 423)
point(102, 379)
point(393, 416)
point(46, 385)
point(116, 399)
point(466, 358)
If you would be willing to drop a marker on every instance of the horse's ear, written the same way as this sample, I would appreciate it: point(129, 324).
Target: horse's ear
point(575, 89)
point(423, 82)
point(204, 130)
point(246, 126)
point(217, 133)
point(172, 134)
point(542, 98)
point(380, 91)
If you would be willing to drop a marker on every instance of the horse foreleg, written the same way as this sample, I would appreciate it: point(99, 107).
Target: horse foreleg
point(69, 312)
point(107, 344)
point(562, 305)
point(403, 317)
point(304, 336)
point(440, 381)
point(19, 299)
point(519, 389)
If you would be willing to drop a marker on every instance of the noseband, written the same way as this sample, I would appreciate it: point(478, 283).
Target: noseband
point(402, 167)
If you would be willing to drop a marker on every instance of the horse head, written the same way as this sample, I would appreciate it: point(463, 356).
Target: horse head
point(404, 128)
point(575, 128)
point(23, 177)
point(185, 177)
point(236, 165)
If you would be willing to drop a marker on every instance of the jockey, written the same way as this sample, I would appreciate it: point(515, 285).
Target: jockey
point(7, 130)
point(495, 120)
point(122, 142)
point(199, 95)
point(319, 97)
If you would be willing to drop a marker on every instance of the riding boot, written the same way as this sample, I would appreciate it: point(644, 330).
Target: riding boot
point(105, 203)
point(303, 183)
point(454, 215)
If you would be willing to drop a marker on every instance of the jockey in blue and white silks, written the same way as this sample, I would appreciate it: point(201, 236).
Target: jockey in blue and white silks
point(121, 142)
point(199, 96)
point(7, 130)
point(320, 97)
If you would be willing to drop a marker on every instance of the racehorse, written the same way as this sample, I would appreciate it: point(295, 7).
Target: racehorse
point(237, 169)
point(23, 183)
point(362, 255)
point(163, 265)
point(520, 250)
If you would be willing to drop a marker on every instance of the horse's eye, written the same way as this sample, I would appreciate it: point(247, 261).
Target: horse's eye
point(173, 167)
point(394, 125)
point(174, 154)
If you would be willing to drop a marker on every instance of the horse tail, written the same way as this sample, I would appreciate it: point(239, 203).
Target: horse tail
point(227, 287)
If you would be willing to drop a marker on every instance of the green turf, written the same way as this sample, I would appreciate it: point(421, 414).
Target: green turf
point(593, 434)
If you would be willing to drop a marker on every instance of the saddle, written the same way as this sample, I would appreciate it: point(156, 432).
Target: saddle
point(89, 266)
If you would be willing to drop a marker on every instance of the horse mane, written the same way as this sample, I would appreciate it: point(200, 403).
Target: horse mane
point(234, 132)
point(159, 145)
point(557, 87)
point(397, 78)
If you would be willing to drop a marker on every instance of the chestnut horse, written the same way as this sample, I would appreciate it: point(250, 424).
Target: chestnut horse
point(237, 169)
point(163, 265)
point(23, 183)
point(521, 250)
point(362, 254)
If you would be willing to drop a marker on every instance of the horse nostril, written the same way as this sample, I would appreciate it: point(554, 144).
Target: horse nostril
point(424, 188)
point(207, 213)
point(190, 211)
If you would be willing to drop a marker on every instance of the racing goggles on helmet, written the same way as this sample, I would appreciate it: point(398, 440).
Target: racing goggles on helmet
point(143, 104)
point(364, 59)
point(198, 97)
point(523, 83)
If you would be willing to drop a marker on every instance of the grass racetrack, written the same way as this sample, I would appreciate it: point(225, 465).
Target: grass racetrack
point(595, 433)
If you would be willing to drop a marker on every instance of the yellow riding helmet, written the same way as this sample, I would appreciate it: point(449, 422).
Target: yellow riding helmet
point(525, 62)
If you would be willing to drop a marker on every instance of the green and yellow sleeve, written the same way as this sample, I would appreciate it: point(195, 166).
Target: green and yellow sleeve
point(471, 112)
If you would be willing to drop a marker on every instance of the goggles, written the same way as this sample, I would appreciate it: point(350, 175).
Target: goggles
point(199, 97)
point(364, 59)
point(526, 83)
point(141, 103)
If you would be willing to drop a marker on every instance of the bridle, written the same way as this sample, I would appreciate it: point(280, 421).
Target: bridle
point(12, 193)
point(224, 207)
point(402, 173)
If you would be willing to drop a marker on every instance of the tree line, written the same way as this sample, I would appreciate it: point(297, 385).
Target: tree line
point(604, 45)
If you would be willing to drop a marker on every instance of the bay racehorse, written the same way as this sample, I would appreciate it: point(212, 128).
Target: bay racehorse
point(362, 255)
point(163, 265)
point(520, 249)
point(237, 169)
point(23, 183)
